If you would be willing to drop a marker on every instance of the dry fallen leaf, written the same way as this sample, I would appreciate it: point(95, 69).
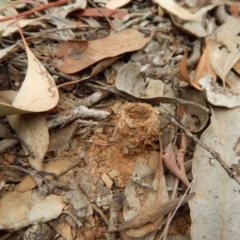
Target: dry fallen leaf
point(100, 12)
point(6, 108)
point(222, 60)
point(183, 13)
point(217, 95)
point(64, 229)
point(77, 58)
point(8, 51)
point(38, 92)
point(8, 27)
point(172, 165)
point(204, 66)
point(18, 210)
point(183, 72)
point(57, 167)
point(113, 4)
point(32, 129)
point(215, 210)
point(236, 67)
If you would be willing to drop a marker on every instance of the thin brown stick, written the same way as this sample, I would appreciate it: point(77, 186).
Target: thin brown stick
point(168, 220)
point(214, 153)
point(95, 208)
point(42, 7)
point(154, 214)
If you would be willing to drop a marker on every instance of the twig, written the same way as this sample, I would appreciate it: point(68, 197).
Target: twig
point(78, 112)
point(173, 195)
point(100, 213)
point(152, 216)
point(75, 219)
point(214, 153)
point(138, 180)
point(96, 123)
point(33, 173)
point(180, 204)
point(24, 14)
point(153, 101)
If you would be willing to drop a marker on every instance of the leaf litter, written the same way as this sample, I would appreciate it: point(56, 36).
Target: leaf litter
point(95, 115)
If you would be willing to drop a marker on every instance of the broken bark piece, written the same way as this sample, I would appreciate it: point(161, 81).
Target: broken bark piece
point(153, 214)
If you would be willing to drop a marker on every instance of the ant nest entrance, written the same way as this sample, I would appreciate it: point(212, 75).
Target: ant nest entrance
point(137, 127)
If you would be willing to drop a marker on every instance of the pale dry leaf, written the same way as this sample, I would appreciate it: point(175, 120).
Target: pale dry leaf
point(9, 27)
point(194, 28)
point(6, 108)
point(38, 92)
point(222, 60)
point(215, 209)
point(19, 210)
point(236, 67)
point(4, 3)
point(114, 4)
point(233, 82)
point(183, 13)
point(5, 52)
point(32, 129)
point(64, 229)
point(217, 95)
point(228, 34)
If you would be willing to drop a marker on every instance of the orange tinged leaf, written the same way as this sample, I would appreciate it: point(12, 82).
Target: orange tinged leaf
point(204, 66)
point(183, 72)
point(77, 58)
point(100, 12)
